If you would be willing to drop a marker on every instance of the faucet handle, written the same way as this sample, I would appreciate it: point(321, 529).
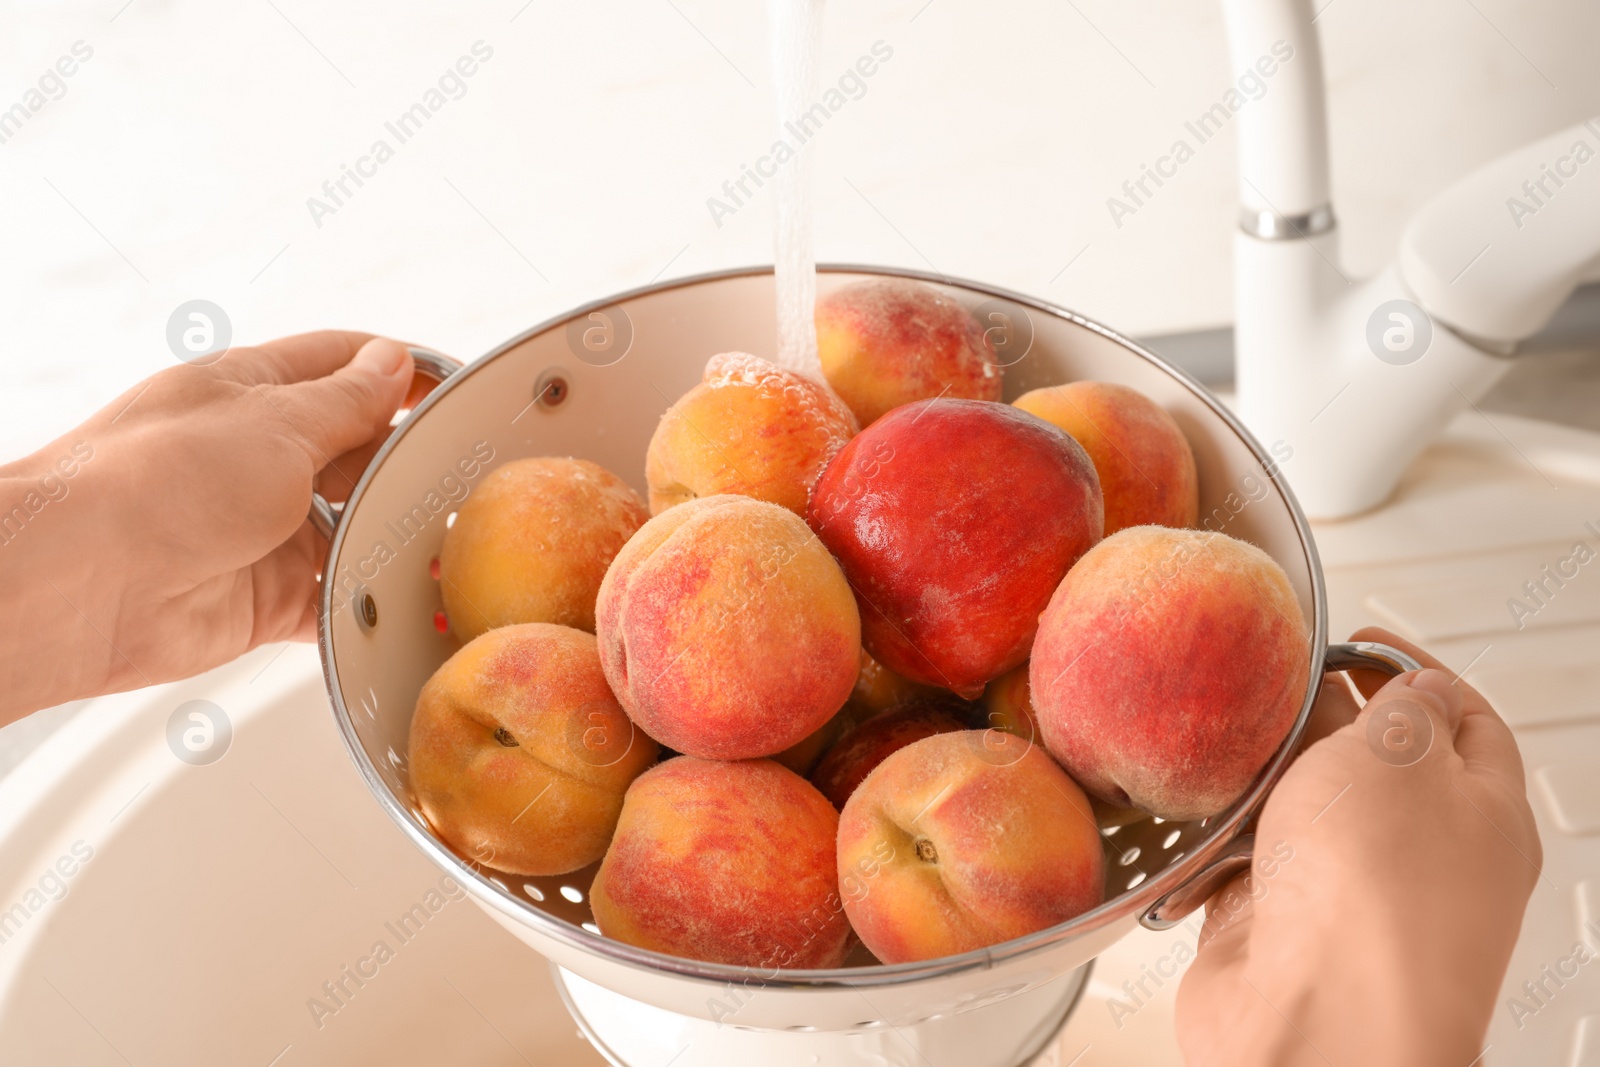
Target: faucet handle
point(1496, 253)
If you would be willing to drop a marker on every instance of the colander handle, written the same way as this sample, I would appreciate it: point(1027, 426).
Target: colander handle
point(1168, 910)
point(324, 514)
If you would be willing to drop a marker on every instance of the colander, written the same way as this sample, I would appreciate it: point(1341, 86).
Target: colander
point(593, 384)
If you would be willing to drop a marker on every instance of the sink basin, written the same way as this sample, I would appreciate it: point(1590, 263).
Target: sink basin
point(208, 905)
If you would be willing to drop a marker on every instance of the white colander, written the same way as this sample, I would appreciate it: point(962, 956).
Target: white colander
point(593, 384)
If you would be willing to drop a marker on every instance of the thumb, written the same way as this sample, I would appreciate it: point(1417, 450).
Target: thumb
point(1414, 715)
point(351, 406)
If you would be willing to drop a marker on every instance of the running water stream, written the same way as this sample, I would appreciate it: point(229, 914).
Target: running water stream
point(796, 31)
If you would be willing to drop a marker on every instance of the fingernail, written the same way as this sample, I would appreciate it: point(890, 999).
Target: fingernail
point(1441, 687)
point(1437, 682)
point(382, 356)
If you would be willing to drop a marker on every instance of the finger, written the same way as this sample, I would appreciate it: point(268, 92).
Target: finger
point(1482, 739)
point(351, 406)
point(1479, 724)
point(1430, 687)
point(1369, 682)
point(1487, 746)
point(1335, 709)
point(1412, 721)
point(1225, 934)
point(338, 479)
point(284, 588)
point(287, 360)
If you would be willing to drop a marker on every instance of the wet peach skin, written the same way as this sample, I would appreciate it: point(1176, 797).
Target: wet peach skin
point(728, 862)
point(1169, 667)
point(519, 753)
point(954, 521)
point(533, 543)
point(1146, 468)
point(750, 427)
point(988, 840)
point(726, 630)
point(889, 341)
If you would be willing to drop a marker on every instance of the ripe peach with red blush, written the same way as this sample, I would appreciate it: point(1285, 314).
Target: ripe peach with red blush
point(954, 521)
point(1169, 667)
point(750, 427)
point(519, 753)
point(728, 862)
point(1146, 468)
point(532, 544)
point(891, 341)
point(987, 840)
point(727, 630)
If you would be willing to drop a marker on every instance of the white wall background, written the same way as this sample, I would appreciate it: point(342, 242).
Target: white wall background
point(178, 162)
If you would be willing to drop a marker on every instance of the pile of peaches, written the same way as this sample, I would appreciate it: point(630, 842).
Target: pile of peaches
point(860, 666)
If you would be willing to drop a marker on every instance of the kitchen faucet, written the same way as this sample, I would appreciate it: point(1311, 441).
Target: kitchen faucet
point(1357, 377)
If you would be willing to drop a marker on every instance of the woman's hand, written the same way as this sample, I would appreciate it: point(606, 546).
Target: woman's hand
point(1384, 935)
point(168, 534)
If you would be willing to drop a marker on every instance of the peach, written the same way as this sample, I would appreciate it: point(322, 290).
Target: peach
point(533, 543)
point(750, 427)
point(890, 341)
point(954, 521)
point(1169, 667)
point(520, 755)
point(879, 689)
point(803, 755)
point(726, 862)
point(726, 629)
point(1146, 467)
point(861, 749)
point(1007, 704)
point(972, 840)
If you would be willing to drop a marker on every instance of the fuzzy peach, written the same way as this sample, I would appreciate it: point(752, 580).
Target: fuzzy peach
point(979, 840)
point(726, 629)
point(532, 544)
point(519, 754)
point(726, 862)
point(750, 427)
point(1169, 667)
point(863, 747)
point(954, 521)
point(890, 341)
point(1146, 468)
